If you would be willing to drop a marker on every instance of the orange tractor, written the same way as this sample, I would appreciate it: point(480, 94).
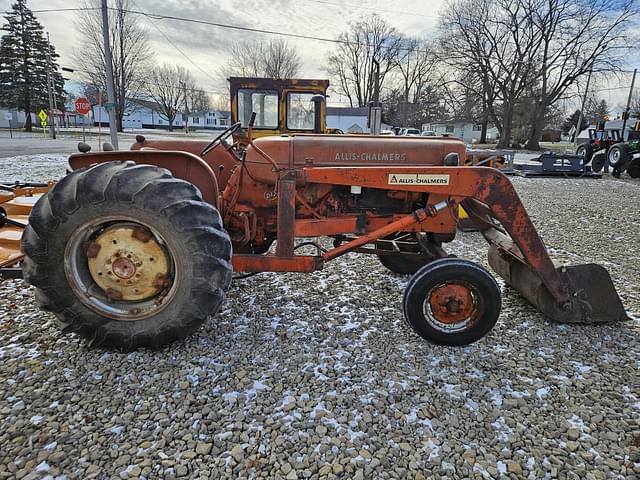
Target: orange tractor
point(136, 248)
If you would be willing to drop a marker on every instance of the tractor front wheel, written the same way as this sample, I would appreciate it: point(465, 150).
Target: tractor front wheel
point(452, 302)
point(127, 256)
point(586, 150)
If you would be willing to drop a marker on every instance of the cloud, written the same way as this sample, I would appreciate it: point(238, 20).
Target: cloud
point(208, 46)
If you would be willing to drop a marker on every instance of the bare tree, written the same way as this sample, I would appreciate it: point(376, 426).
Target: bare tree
point(273, 59)
point(577, 37)
point(197, 100)
point(166, 87)
point(495, 40)
point(416, 72)
point(352, 67)
point(130, 52)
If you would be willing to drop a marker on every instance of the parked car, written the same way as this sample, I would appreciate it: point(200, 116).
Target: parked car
point(428, 133)
point(410, 132)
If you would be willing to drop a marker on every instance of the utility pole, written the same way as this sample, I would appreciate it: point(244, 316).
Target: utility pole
point(581, 116)
point(185, 114)
point(111, 94)
point(50, 86)
point(625, 115)
point(375, 111)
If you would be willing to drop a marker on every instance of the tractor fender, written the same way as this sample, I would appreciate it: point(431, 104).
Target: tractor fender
point(183, 165)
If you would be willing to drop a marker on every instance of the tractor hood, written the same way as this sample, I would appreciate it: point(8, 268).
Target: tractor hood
point(356, 150)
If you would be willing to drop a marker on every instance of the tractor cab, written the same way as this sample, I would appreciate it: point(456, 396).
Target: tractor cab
point(282, 106)
point(602, 136)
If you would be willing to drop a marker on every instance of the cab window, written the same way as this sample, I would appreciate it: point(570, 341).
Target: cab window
point(263, 102)
point(300, 111)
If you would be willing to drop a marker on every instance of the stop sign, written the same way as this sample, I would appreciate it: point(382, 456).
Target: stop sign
point(83, 106)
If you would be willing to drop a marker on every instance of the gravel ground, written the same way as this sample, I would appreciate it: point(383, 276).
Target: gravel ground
point(317, 376)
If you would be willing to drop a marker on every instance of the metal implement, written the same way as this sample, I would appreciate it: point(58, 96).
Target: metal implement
point(16, 201)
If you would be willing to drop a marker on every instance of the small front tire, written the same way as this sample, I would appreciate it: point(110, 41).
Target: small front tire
point(452, 302)
point(586, 150)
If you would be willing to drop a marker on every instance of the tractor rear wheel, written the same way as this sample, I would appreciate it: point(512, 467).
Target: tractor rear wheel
point(452, 302)
point(409, 258)
point(127, 256)
point(586, 150)
point(618, 156)
point(634, 168)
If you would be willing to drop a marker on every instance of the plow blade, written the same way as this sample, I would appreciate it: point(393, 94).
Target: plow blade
point(592, 296)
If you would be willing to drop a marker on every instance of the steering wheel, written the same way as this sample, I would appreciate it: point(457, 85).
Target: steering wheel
point(220, 138)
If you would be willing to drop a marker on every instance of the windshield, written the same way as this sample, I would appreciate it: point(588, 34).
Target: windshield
point(263, 102)
point(300, 111)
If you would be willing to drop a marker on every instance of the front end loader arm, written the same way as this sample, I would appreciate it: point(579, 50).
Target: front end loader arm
point(576, 294)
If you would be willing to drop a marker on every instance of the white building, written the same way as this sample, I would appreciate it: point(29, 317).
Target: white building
point(469, 132)
point(146, 114)
point(17, 118)
point(350, 120)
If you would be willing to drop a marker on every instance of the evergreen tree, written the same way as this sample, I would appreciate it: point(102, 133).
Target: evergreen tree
point(24, 64)
point(572, 120)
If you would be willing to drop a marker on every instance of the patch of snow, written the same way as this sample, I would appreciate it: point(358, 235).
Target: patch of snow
point(50, 447)
point(471, 405)
point(542, 392)
point(435, 449)
point(502, 467)
point(117, 429)
point(42, 467)
point(36, 419)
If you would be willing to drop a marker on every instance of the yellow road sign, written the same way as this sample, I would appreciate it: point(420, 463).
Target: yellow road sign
point(42, 115)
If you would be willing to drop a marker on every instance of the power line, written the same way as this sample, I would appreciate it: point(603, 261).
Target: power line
point(245, 29)
point(178, 48)
point(193, 89)
point(56, 10)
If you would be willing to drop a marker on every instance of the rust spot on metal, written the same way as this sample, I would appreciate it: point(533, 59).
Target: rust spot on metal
point(142, 234)
point(451, 303)
point(113, 295)
point(161, 281)
point(124, 268)
point(92, 249)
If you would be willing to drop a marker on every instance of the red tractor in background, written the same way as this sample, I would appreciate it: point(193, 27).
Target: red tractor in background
point(598, 148)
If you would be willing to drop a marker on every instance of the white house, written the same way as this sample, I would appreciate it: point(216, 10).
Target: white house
point(469, 132)
point(350, 120)
point(17, 118)
point(146, 114)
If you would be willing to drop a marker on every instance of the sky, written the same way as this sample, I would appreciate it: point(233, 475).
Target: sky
point(208, 46)
point(203, 49)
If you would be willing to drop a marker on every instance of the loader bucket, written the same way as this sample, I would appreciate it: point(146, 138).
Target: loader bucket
point(592, 296)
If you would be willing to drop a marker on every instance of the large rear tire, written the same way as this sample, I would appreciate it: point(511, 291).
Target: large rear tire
point(618, 156)
point(409, 259)
point(634, 168)
point(452, 302)
point(127, 256)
